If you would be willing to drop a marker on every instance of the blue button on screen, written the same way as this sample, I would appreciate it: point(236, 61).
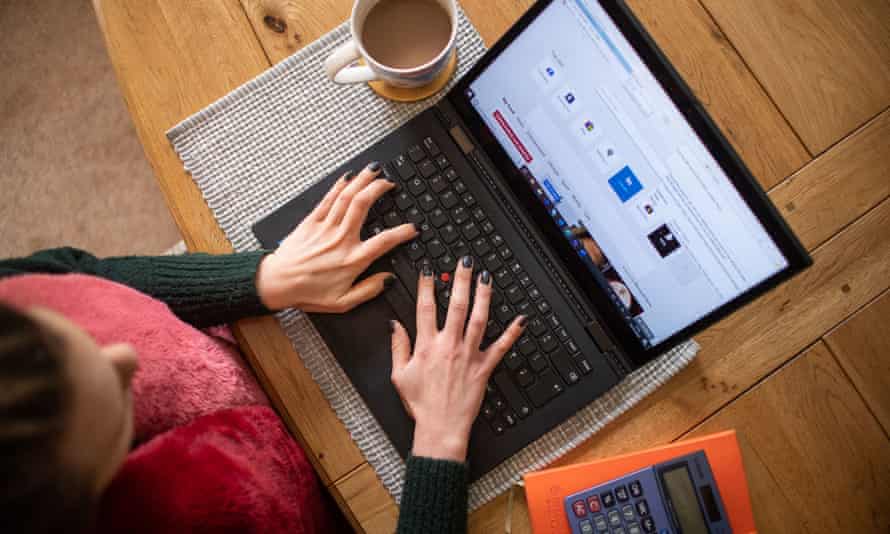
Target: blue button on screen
point(625, 184)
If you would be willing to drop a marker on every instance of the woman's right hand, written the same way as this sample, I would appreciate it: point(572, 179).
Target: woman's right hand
point(443, 382)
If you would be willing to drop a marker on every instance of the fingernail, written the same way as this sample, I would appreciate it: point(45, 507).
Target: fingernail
point(389, 281)
point(349, 176)
point(374, 166)
point(485, 277)
point(392, 326)
point(467, 261)
point(417, 227)
point(427, 269)
point(523, 319)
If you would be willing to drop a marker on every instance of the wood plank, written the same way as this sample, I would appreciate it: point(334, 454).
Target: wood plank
point(849, 271)
point(373, 506)
point(172, 59)
point(826, 63)
point(816, 459)
point(727, 89)
point(838, 186)
point(285, 26)
point(862, 346)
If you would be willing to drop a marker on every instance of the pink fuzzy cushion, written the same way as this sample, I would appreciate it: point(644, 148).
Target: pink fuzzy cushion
point(183, 372)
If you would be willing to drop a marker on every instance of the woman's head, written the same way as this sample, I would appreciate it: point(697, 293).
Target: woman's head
point(65, 419)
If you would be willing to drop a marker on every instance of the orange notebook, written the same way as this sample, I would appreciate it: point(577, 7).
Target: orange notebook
point(545, 490)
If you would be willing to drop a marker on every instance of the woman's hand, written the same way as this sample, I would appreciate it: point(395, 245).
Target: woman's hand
point(316, 266)
point(443, 382)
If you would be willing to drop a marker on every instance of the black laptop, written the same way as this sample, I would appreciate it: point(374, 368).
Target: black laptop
point(575, 165)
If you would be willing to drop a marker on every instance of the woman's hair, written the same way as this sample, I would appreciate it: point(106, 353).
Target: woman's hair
point(40, 494)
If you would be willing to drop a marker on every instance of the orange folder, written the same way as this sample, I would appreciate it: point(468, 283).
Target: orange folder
point(546, 490)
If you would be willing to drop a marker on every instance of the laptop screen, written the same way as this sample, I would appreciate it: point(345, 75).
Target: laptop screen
point(660, 226)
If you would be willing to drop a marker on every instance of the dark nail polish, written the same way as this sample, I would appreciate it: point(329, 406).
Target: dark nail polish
point(485, 277)
point(417, 228)
point(392, 326)
point(523, 320)
point(427, 269)
point(349, 176)
point(389, 281)
point(374, 166)
point(467, 261)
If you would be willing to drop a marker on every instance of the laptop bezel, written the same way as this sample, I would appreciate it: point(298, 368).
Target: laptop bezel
point(708, 132)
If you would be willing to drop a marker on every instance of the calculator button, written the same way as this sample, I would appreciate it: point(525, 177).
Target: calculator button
point(634, 528)
point(618, 530)
point(607, 499)
point(600, 522)
point(628, 512)
point(615, 518)
point(579, 508)
point(621, 493)
point(593, 502)
point(643, 508)
point(636, 489)
point(648, 524)
point(586, 527)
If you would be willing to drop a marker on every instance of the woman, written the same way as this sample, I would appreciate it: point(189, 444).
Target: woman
point(59, 458)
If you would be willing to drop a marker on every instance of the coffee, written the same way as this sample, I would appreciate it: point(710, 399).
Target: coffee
point(406, 33)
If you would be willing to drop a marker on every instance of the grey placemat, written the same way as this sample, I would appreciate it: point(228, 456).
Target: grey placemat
point(268, 140)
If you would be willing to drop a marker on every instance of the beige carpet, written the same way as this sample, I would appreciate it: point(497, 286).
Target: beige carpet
point(72, 171)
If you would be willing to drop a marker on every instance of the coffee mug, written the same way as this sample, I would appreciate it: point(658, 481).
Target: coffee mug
point(340, 65)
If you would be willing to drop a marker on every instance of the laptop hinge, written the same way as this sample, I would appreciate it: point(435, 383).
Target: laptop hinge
point(600, 337)
point(460, 137)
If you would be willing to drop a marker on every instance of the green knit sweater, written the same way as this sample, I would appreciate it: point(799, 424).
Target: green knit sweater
point(206, 290)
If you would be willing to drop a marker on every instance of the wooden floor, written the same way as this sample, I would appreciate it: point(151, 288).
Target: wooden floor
point(801, 88)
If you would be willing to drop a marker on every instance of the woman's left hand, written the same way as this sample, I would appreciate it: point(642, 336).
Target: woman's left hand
point(315, 267)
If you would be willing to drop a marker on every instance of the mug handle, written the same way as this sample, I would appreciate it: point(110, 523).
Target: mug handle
point(338, 69)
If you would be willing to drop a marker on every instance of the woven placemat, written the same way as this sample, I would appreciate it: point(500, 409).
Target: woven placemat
point(268, 140)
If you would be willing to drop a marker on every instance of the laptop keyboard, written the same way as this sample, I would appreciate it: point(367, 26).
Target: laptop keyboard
point(430, 193)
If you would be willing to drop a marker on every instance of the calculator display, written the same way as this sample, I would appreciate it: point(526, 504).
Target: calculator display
point(685, 503)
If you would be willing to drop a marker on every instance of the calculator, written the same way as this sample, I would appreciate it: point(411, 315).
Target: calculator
point(679, 496)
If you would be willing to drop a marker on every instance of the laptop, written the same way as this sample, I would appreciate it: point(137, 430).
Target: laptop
point(577, 167)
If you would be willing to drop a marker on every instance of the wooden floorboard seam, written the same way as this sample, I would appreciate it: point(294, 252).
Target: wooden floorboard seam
point(255, 34)
point(762, 87)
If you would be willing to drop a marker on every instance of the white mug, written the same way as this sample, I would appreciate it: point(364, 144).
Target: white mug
point(340, 69)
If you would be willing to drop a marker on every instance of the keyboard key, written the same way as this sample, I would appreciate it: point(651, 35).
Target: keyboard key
point(524, 279)
point(415, 252)
point(427, 202)
point(460, 249)
point(607, 499)
point(510, 419)
point(460, 187)
point(600, 522)
point(572, 347)
point(437, 183)
point(513, 360)
point(442, 161)
point(533, 292)
point(548, 342)
point(449, 233)
point(515, 268)
point(555, 323)
point(478, 214)
point(505, 253)
point(488, 411)
point(502, 278)
point(416, 186)
point(481, 246)
point(586, 527)
point(384, 204)
point(431, 147)
point(470, 230)
point(404, 167)
point(546, 387)
point(469, 200)
point(615, 518)
point(438, 217)
point(583, 365)
point(593, 502)
point(524, 377)
point(392, 219)
point(492, 262)
point(537, 327)
point(579, 508)
point(435, 248)
point(404, 200)
point(543, 307)
point(498, 426)
point(525, 308)
point(514, 294)
point(642, 505)
point(526, 345)
point(627, 511)
point(648, 524)
point(460, 215)
point(446, 263)
point(414, 215)
point(416, 153)
point(514, 397)
point(621, 494)
point(498, 403)
point(636, 490)
point(488, 228)
point(538, 362)
point(504, 314)
point(633, 528)
point(451, 175)
point(427, 168)
point(449, 200)
point(497, 240)
point(493, 330)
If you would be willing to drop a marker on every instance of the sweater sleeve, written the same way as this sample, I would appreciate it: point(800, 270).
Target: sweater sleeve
point(434, 499)
point(201, 289)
